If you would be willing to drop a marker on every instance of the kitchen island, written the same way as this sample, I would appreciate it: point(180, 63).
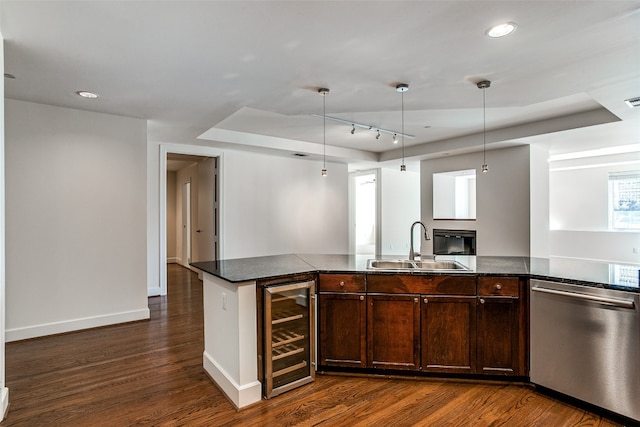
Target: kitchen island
point(231, 288)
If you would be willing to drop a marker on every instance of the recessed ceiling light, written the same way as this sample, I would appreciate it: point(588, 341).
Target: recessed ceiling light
point(85, 94)
point(501, 30)
point(633, 102)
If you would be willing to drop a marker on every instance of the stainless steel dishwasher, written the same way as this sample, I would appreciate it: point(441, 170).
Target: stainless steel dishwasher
point(585, 343)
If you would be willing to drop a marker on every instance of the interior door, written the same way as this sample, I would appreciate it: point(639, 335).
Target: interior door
point(207, 227)
point(186, 224)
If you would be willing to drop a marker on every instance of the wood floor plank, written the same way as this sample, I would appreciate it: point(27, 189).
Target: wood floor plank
point(149, 373)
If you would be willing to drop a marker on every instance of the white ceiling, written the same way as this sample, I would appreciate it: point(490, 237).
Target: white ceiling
point(245, 74)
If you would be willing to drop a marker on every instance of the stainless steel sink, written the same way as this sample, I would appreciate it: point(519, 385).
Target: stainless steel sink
point(419, 265)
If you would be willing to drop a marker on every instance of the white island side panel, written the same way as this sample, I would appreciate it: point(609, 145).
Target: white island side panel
point(230, 338)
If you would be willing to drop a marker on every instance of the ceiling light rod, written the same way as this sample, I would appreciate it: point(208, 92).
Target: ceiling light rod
point(324, 92)
point(402, 88)
point(360, 125)
point(484, 84)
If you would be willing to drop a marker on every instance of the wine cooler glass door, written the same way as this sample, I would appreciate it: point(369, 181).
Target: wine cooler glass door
point(289, 328)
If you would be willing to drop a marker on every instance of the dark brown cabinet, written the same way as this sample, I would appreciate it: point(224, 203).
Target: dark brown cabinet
point(459, 324)
point(393, 331)
point(342, 331)
point(422, 322)
point(502, 326)
point(449, 334)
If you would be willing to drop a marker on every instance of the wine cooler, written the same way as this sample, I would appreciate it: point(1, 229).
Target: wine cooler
point(289, 341)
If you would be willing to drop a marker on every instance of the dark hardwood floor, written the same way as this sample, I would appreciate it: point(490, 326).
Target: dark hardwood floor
point(150, 373)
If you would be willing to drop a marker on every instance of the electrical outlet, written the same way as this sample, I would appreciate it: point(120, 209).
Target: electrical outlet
point(224, 301)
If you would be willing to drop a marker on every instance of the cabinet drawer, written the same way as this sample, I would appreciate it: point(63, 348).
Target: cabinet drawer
point(417, 284)
point(342, 283)
point(507, 286)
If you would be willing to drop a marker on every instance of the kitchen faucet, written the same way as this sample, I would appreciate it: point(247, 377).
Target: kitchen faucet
point(412, 255)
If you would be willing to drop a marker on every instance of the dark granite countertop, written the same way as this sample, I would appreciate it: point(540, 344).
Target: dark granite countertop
point(575, 271)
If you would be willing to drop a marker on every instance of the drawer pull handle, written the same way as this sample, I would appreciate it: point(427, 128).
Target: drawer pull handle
point(342, 284)
point(481, 300)
point(426, 300)
point(415, 300)
point(498, 286)
point(361, 297)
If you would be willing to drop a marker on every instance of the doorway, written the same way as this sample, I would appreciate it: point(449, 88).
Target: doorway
point(157, 272)
point(194, 207)
point(364, 213)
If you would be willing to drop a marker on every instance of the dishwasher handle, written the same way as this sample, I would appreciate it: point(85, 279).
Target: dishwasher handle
point(586, 297)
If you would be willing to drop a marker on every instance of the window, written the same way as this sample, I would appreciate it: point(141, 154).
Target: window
point(624, 201)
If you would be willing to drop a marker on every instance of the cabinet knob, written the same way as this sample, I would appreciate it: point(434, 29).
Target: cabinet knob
point(498, 286)
point(361, 297)
point(415, 300)
point(426, 300)
point(342, 284)
point(481, 300)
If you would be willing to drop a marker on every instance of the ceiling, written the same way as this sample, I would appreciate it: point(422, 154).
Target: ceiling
point(246, 74)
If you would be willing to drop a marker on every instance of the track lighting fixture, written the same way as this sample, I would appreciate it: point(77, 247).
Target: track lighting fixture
point(395, 138)
point(324, 92)
point(484, 85)
point(355, 125)
point(378, 135)
point(402, 88)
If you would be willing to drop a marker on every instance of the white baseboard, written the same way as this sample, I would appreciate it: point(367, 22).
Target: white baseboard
point(27, 332)
point(239, 395)
point(4, 402)
point(153, 292)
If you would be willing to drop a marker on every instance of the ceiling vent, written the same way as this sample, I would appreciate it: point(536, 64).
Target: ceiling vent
point(633, 102)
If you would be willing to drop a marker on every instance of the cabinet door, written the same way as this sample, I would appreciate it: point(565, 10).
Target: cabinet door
point(498, 331)
point(393, 331)
point(342, 330)
point(448, 334)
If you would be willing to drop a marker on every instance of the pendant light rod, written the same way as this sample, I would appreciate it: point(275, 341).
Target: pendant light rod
point(363, 126)
point(324, 92)
point(484, 84)
point(402, 88)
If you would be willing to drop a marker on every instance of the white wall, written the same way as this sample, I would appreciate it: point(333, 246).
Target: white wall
point(75, 215)
point(400, 208)
point(502, 200)
point(276, 205)
point(4, 391)
point(578, 207)
point(539, 196)
point(269, 205)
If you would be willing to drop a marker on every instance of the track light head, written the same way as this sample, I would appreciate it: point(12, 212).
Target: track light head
point(378, 135)
point(395, 138)
point(353, 129)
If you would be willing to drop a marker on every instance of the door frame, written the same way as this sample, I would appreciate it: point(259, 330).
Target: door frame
point(166, 148)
